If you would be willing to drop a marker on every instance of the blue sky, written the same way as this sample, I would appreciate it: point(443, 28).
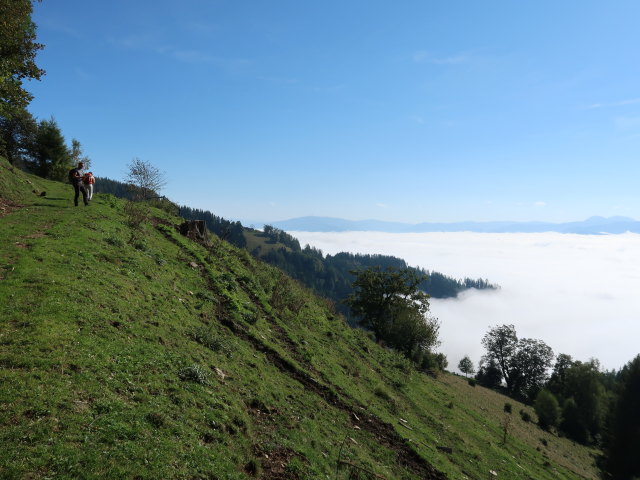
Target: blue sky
point(410, 111)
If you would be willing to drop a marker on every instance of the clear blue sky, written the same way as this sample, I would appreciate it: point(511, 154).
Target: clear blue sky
point(409, 111)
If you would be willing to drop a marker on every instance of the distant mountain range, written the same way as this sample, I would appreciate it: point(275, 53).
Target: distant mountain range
point(591, 226)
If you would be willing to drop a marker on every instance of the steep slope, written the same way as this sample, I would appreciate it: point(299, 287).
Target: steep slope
point(143, 354)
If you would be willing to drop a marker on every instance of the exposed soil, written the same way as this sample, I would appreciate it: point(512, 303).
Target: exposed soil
point(384, 433)
point(274, 463)
point(6, 207)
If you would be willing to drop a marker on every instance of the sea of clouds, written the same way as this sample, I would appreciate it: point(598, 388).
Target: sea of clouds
point(578, 293)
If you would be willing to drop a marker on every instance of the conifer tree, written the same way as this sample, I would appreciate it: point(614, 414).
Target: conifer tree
point(52, 158)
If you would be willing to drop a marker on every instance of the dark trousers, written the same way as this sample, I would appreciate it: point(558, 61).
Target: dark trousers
point(80, 188)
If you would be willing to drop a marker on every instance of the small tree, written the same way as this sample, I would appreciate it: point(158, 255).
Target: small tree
point(501, 343)
point(489, 374)
point(145, 179)
point(466, 366)
point(77, 155)
point(547, 409)
point(573, 424)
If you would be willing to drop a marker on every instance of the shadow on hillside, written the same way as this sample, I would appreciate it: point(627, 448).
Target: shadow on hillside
point(49, 205)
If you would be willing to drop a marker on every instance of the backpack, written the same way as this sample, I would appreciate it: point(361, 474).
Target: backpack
point(72, 175)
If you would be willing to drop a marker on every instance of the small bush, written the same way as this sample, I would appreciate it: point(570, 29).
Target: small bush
point(548, 409)
point(156, 419)
point(434, 362)
point(253, 468)
point(472, 382)
point(206, 337)
point(141, 244)
point(251, 317)
point(158, 259)
point(195, 373)
point(525, 416)
point(207, 297)
point(507, 407)
point(115, 241)
point(137, 214)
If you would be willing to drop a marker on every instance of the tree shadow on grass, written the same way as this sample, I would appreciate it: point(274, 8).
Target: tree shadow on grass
point(50, 206)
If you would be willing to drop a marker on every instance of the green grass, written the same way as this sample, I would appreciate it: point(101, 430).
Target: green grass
point(257, 242)
point(163, 358)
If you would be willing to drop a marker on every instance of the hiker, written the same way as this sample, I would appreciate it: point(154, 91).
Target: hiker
point(89, 180)
point(75, 177)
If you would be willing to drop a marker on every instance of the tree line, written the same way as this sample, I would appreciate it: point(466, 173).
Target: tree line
point(577, 399)
point(233, 232)
point(38, 147)
point(331, 276)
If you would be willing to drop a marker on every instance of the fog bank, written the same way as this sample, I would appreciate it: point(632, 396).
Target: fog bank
point(578, 293)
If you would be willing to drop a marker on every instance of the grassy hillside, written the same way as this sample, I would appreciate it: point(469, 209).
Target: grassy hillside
point(164, 358)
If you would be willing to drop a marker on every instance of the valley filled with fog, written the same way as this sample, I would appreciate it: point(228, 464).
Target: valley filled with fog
point(578, 293)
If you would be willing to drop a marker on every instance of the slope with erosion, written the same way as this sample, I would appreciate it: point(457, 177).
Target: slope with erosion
point(165, 358)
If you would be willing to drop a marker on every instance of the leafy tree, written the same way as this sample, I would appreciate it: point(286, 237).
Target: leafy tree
point(466, 366)
point(413, 333)
point(381, 294)
point(489, 374)
point(18, 48)
point(523, 363)
point(531, 362)
point(77, 155)
point(146, 180)
point(547, 408)
point(18, 136)
point(584, 385)
point(558, 381)
point(623, 444)
point(501, 343)
point(432, 361)
point(389, 303)
point(572, 423)
point(581, 384)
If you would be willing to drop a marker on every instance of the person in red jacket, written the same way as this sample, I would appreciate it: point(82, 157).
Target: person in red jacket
point(89, 181)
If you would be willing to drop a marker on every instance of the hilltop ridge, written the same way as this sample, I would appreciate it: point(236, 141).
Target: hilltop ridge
point(145, 354)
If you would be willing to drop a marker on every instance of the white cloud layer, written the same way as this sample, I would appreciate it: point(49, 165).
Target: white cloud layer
point(578, 293)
